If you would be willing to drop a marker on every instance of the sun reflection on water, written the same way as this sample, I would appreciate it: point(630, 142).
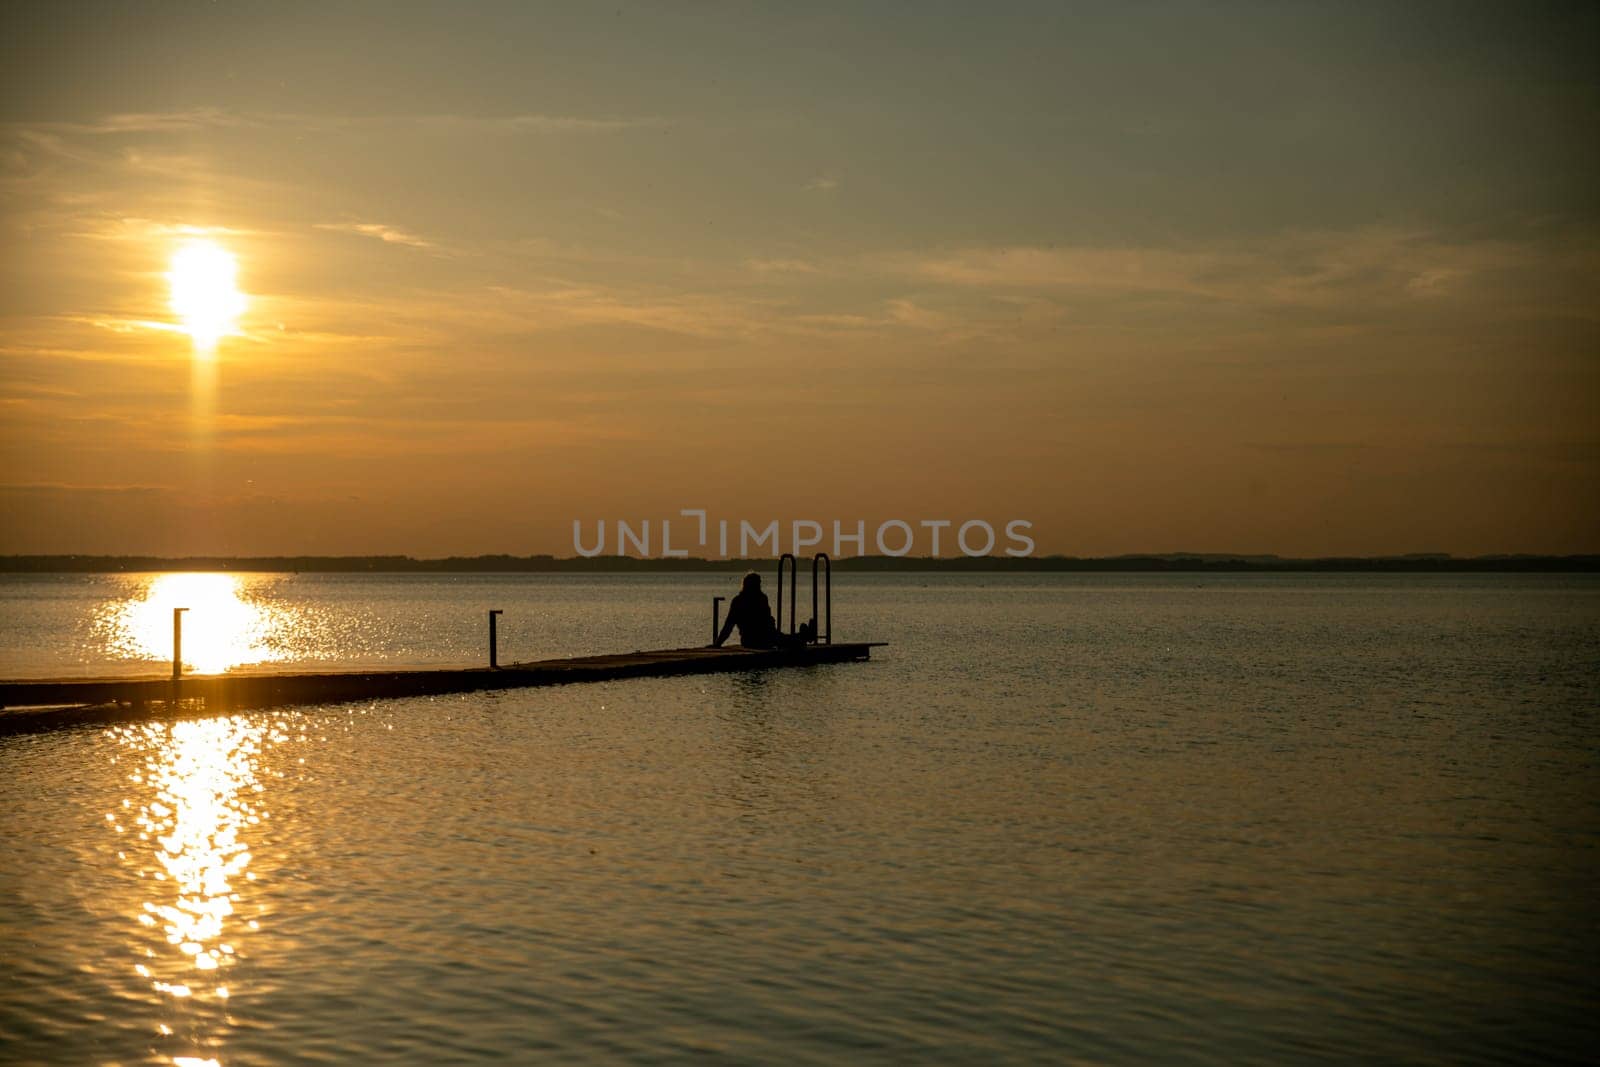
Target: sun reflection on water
point(226, 625)
point(198, 799)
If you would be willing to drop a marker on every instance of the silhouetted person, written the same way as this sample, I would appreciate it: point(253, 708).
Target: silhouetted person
point(752, 614)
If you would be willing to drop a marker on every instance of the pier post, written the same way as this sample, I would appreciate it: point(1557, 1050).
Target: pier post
point(816, 620)
point(716, 616)
point(177, 642)
point(494, 651)
point(794, 576)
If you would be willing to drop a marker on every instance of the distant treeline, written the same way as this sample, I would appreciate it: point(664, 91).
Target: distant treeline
point(1418, 563)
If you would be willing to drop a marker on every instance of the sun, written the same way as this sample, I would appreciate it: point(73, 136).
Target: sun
point(205, 291)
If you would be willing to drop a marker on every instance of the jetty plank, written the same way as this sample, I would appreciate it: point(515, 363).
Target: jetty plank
point(27, 705)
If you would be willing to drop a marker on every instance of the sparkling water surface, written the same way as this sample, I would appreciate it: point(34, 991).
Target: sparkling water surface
point(1113, 818)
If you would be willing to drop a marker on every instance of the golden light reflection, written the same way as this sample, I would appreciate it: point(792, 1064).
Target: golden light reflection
point(224, 626)
point(205, 292)
point(197, 801)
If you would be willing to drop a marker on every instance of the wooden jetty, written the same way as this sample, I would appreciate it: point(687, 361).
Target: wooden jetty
point(29, 705)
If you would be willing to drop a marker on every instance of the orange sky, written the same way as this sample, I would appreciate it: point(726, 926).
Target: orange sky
point(1243, 279)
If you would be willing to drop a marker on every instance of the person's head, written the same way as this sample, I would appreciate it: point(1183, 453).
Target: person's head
point(752, 583)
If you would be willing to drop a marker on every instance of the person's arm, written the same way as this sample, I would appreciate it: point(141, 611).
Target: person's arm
point(727, 625)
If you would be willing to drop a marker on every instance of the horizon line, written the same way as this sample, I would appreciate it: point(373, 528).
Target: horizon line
point(43, 563)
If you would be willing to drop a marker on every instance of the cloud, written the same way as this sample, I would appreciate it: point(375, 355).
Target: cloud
point(388, 234)
point(1310, 447)
point(136, 228)
point(687, 314)
point(823, 183)
point(1022, 267)
point(910, 313)
point(26, 489)
point(1307, 269)
point(188, 121)
point(185, 121)
point(518, 123)
point(781, 266)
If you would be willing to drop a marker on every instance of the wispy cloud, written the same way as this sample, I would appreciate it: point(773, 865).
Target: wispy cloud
point(518, 123)
point(911, 313)
point(185, 121)
point(1022, 267)
point(1320, 268)
point(190, 120)
point(782, 266)
point(137, 228)
point(690, 314)
point(388, 234)
point(823, 183)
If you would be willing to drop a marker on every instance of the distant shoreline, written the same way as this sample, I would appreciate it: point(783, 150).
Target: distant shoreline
point(1163, 563)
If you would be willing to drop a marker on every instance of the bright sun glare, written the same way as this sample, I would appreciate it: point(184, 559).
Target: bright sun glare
point(205, 293)
point(225, 626)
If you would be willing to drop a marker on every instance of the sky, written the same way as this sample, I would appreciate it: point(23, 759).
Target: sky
point(1306, 279)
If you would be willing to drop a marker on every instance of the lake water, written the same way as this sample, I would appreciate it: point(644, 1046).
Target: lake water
point(1115, 818)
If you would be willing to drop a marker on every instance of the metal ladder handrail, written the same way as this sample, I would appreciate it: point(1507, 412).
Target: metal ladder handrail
point(827, 571)
point(794, 577)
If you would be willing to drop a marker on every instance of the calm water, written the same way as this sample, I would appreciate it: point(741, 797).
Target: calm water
point(1110, 819)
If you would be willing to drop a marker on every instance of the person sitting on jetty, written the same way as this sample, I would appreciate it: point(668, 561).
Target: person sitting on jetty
point(752, 614)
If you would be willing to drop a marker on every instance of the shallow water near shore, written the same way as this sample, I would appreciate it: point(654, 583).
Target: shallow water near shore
point(1109, 818)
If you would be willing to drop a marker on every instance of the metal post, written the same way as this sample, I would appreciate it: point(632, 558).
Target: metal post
point(794, 575)
point(716, 617)
point(177, 642)
point(494, 651)
point(817, 633)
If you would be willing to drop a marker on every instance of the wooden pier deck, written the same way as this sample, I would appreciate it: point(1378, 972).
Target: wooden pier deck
point(27, 705)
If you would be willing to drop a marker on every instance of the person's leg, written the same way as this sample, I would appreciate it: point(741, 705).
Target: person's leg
point(803, 637)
